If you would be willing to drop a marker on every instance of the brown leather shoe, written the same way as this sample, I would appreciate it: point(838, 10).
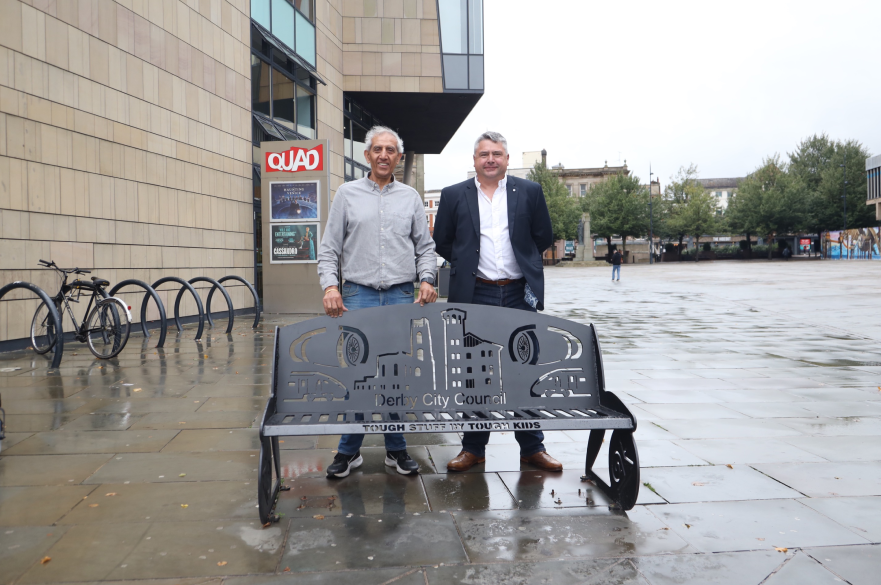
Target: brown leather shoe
point(543, 461)
point(464, 461)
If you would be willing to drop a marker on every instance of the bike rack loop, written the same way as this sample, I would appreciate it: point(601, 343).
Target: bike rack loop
point(189, 287)
point(216, 284)
point(59, 338)
point(163, 322)
point(250, 287)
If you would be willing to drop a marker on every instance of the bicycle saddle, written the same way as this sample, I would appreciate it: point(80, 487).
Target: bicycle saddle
point(100, 281)
point(82, 284)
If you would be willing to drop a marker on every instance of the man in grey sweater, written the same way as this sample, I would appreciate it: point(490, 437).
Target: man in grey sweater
point(377, 227)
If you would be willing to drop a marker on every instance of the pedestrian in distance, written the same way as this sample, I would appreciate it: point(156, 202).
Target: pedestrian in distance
point(616, 264)
point(377, 226)
point(493, 230)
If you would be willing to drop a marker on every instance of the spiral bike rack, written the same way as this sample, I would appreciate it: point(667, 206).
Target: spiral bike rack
point(151, 293)
point(189, 287)
point(250, 287)
point(50, 305)
point(215, 284)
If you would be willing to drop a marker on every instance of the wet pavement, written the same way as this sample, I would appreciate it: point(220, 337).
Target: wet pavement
point(757, 387)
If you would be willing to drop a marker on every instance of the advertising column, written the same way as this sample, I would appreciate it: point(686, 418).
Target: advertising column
point(295, 184)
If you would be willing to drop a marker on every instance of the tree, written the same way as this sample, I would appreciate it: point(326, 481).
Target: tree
point(673, 218)
point(774, 198)
point(817, 164)
point(741, 218)
point(564, 210)
point(698, 216)
point(619, 205)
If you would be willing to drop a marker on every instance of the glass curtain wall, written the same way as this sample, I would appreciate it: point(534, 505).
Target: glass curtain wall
point(292, 21)
point(461, 27)
point(356, 122)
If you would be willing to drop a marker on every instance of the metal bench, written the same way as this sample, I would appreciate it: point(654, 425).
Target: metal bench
point(443, 368)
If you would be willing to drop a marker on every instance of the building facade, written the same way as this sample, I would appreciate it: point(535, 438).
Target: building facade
point(873, 176)
point(722, 189)
point(128, 128)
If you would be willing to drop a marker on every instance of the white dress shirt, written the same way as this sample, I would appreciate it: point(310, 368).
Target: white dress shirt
point(497, 261)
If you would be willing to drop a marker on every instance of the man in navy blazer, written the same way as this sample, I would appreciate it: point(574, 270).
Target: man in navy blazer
point(493, 229)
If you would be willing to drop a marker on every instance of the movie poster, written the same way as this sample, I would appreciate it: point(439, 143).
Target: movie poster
point(293, 243)
point(294, 200)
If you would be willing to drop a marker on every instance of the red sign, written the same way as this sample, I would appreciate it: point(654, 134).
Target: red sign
point(295, 160)
point(804, 242)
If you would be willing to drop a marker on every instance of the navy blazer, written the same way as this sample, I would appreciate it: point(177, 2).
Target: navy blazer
point(457, 234)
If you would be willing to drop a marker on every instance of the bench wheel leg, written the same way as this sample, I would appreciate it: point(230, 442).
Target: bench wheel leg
point(266, 491)
point(593, 448)
point(624, 468)
point(277, 459)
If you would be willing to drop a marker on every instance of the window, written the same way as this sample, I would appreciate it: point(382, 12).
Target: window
point(569, 189)
point(461, 27)
point(291, 21)
point(583, 189)
point(284, 91)
point(418, 337)
point(489, 381)
point(259, 85)
point(283, 100)
point(420, 355)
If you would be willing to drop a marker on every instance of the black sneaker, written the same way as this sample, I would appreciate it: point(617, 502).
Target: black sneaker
point(343, 464)
point(401, 460)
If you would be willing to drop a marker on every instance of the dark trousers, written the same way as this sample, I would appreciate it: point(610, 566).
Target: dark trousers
point(510, 296)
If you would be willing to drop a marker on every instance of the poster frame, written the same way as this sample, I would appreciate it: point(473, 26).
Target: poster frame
point(313, 224)
point(317, 182)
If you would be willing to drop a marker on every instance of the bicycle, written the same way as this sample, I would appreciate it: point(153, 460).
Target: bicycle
point(106, 328)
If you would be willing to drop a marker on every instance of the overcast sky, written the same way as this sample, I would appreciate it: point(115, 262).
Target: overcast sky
point(673, 82)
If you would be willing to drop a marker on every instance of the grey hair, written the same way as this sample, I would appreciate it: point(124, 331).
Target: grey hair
point(492, 137)
point(376, 131)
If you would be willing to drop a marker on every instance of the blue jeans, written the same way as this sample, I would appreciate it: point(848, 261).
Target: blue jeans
point(616, 269)
point(509, 296)
point(358, 296)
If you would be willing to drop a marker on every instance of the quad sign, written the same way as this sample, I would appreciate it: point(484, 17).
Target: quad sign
point(296, 159)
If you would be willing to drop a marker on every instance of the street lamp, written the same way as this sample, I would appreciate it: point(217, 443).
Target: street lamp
point(651, 235)
point(844, 198)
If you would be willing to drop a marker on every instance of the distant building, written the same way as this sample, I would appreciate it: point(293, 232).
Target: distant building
point(431, 200)
point(873, 176)
point(722, 189)
point(577, 181)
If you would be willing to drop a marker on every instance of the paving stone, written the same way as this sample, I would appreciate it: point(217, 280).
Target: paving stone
point(399, 576)
point(216, 440)
point(862, 514)
point(33, 470)
point(832, 427)
point(60, 442)
point(691, 411)
point(383, 540)
point(859, 565)
point(39, 505)
point(35, 423)
point(164, 502)
point(802, 569)
point(195, 420)
point(581, 572)
point(103, 422)
point(726, 428)
point(467, 491)
point(702, 569)
point(752, 525)
point(167, 467)
point(389, 493)
point(716, 483)
point(852, 448)
point(536, 535)
point(86, 553)
point(828, 479)
point(314, 462)
point(23, 547)
point(740, 451)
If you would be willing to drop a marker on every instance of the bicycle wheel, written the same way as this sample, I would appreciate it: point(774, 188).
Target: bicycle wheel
point(108, 328)
point(42, 330)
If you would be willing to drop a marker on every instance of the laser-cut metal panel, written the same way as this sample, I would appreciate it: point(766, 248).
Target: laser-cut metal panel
point(441, 358)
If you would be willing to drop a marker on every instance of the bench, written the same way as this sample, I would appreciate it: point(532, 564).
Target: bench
point(443, 368)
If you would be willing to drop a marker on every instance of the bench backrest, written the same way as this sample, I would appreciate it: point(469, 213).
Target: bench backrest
point(435, 363)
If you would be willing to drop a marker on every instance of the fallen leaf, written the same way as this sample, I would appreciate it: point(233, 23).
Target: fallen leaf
point(318, 516)
point(760, 539)
point(268, 524)
point(699, 483)
point(729, 466)
point(688, 525)
point(45, 560)
point(136, 390)
point(780, 549)
point(182, 475)
point(221, 563)
point(184, 505)
point(111, 494)
point(93, 505)
point(286, 570)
